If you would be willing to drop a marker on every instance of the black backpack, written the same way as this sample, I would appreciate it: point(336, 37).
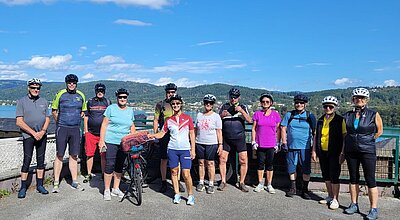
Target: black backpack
point(308, 119)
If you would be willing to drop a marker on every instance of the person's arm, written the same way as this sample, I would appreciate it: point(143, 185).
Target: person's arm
point(85, 124)
point(133, 128)
point(192, 144)
point(379, 125)
point(245, 114)
point(43, 131)
point(157, 135)
point(103, 130)
point(253, 132)
point(283, 134)
point(155, 124)
point(21, 123)
point(314, 148)
point(54, 112)
point(220, 140)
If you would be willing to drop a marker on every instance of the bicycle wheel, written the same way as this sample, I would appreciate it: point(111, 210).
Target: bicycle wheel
point(138, 180)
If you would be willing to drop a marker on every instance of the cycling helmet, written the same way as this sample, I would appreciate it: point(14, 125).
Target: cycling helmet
point(176, 97)
point(34, 81)
point(234, 92)
point(71, 78)
point(121, 91)
point(330, 100)
point(170, 86)
point(209, 98)
point(268, 96)
point(100, 86)
point(300, 97)
point(360, 92)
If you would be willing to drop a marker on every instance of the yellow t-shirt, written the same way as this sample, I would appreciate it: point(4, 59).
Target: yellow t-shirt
point(325, 132)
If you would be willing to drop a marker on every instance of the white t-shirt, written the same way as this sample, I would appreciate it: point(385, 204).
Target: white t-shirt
point(206, 126)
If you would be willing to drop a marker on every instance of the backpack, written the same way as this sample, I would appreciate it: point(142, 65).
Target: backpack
point(308, 119)
point(134, 141)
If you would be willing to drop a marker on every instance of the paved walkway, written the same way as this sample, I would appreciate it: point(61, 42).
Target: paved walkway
point(230, 204)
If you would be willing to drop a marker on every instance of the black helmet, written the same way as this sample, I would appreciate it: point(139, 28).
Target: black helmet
point(170, 86)
point(300, 97)
point(209, 98)
point(268, 96)
point(99, 86)
point(71, 78)
point(234, 92)
point(121, 91)
point(176, 97)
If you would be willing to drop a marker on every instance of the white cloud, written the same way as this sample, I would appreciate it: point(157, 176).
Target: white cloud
point(154, 4)
point(390, 82)
point(197, 66)
point(54, 62)
point(13, 74)
point(109, 59)
point(88, 76)
point(132, 22)
point(208, 43)
point(344, 81)
point(182, 82)
point(127, 77)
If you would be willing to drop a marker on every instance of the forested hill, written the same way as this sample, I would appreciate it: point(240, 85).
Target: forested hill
point(385, 100)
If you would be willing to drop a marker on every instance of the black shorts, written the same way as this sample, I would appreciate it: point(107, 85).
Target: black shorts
point(239, 145)
point(330, 167)
point(163, 142)
point(70, 136)
point(205, 151)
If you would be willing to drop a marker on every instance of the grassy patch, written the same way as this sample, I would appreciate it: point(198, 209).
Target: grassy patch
point(4, 193)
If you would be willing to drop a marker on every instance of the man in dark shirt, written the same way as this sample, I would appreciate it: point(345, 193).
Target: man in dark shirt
point(96, 107)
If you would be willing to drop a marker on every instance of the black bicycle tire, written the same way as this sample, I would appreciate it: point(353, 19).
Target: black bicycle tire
point(138, 180)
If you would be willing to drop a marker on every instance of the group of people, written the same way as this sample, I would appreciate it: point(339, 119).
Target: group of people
point(332, 138)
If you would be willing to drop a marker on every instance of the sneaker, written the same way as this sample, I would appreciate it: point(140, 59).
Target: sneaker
point(373, 214)
point(163, 188)
point(353, 208)
point(327, 200)
point(258, 188)
point(210, 189)
point(117, 192)
point(334, 204)
point(87, 178)
point(200, 188)
point(306, 195)
point(181, 188)
point(270, 189)
point(107, 195)
point(22, 193)
point(42, 190)
point(243, 187)
point(56, 188)
point(221, 186)
point(177, 199)
point(77, 186)
point(190, 200)
point(291, 192)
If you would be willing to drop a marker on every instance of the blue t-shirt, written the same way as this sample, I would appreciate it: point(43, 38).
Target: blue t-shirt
point(119, 123)
point(299, 133)
point(69, 106)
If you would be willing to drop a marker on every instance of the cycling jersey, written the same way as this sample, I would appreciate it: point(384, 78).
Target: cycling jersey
point(95, 110)
point(179, 128)
point(233, 125)
point(69, 106)
point(163, 111)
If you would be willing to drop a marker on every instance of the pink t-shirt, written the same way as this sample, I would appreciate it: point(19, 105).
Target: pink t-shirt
point(266, 128)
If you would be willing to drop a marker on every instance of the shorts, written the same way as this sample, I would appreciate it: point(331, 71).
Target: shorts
point(330, 167)
point(205, 151)
point(70, 136)
point(238, 145)
point(302, 156)
point(179, 156)
point(115, 159)
point(163, 143)
point(91, 144)
point(368, 162)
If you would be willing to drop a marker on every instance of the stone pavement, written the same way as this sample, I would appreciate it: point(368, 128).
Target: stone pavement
point(230, 204)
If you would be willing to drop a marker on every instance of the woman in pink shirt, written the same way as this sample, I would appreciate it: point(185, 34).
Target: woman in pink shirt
point(265, 138)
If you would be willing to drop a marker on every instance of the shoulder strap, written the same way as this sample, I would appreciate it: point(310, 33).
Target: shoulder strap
point(292, 113)
point(310, 122)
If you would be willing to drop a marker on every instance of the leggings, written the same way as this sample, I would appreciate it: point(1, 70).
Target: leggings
point(368, 162)
point(265, 158)
point(28, 145)
point(330, 167)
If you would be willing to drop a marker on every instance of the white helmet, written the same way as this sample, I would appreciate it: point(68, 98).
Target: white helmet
point(360, 92)
point(209, 98)
point(330, 99)
point(34, 81)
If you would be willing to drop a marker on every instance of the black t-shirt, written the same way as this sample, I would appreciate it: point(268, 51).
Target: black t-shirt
point(233, 126)
point(95, 110)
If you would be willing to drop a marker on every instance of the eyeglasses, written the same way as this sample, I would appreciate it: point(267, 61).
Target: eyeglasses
point(208, 103)
point(329, 106)
point(34, 87)
point(175, 103)
point(266, 101)
point(302, 103)
point(122, 97)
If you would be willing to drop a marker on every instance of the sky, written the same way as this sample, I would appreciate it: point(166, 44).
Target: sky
point(277, 45)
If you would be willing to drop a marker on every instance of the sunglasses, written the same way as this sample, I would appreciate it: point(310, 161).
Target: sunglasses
point(100, 90)
point(122, 97)
point(72, 82)
point(359, 97)
point(302, 103)
point(208, 103)
point(34, 87)
point(234, 97)
point(267, 102)
point(170, 92)
point(175, 103)
point(329, 106)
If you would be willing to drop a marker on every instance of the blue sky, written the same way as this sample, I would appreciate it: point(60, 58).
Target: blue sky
point(277, 45)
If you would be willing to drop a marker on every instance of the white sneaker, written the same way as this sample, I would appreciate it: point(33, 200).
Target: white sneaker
point(107, 195)
point(270, 189)
point(258, 188)
point(327, 200)
point(117, 192)
point(334, 204)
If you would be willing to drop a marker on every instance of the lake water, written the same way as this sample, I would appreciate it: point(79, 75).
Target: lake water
point(7, 111)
